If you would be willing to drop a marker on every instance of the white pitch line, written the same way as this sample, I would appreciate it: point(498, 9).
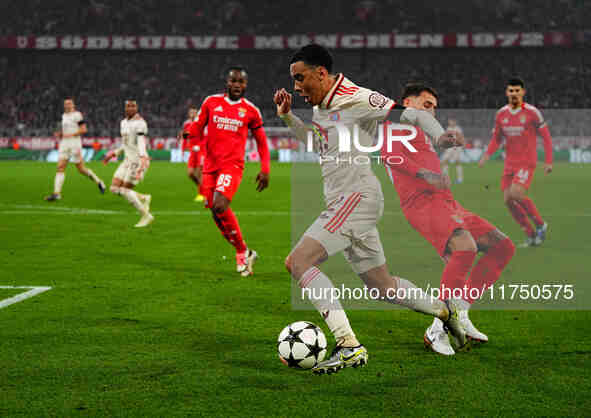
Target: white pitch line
point(61, 210)
point(35, 290)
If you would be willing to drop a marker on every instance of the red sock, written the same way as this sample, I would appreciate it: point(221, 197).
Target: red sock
point(532, 210)
point(520, 215)
point(455, 272)
point(228, 225)
point(489, 268)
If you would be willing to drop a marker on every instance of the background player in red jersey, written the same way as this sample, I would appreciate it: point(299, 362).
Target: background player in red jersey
point(197, 152)
point(519, 123)
point(228, 118)
point(429, 206)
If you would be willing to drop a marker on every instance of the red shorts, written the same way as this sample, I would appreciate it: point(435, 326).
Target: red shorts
point(518, 174)
point(224, 181)
point(436, 217)
point(196, 159)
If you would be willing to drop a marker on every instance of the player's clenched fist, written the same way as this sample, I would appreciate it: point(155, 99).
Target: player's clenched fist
point(450, 139)
point(283, 101)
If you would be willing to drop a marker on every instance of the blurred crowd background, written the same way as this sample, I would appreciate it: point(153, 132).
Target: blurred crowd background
point(96, 17)
point(34, 83)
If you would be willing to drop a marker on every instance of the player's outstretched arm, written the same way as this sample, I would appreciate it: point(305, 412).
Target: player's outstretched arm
point(494, 143)
point(262, 178)
point(283, 100)
point(547, 140)
point(112, 154)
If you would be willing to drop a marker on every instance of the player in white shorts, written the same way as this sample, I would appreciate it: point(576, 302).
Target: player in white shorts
point(73, 126)
point(454, 154)
point(354, 202)
point(133, 168)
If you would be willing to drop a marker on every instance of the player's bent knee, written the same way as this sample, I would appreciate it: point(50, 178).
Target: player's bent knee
point(115, 189)
point(506, 250)
point(462, 240)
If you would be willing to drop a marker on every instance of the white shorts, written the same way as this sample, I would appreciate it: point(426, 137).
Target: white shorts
point(127, 171)
point(452, 155)
point(70, 151)
point(349, 225)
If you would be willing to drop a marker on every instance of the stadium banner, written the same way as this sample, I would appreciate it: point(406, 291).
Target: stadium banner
point(272, 42)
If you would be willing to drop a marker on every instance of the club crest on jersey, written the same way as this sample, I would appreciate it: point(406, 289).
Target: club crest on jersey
point(219, 109)
point(241, 112)
point(335, 117)
point(505, 120)
point(522, 118)
point(377, 100)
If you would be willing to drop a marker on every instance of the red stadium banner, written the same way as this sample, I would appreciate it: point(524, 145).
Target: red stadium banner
point(333, 41)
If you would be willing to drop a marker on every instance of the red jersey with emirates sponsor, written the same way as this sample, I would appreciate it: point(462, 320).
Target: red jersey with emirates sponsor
point(402, 164)
point(228, 123)
point(520, 128)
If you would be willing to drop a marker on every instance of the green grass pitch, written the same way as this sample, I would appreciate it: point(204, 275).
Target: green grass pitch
point(156, 322)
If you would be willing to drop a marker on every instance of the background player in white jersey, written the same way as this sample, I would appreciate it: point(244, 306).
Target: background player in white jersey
point(453, 155)
point(133, 168)
point(73, 126)
point(354, 203)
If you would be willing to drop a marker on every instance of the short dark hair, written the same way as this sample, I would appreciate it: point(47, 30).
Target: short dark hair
point(192, 107)
point(69, 98)
point(236, 68)
point(415, 89)
point(314, 55)
point(516, 81)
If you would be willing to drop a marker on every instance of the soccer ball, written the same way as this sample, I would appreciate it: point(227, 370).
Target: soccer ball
point(301, 345)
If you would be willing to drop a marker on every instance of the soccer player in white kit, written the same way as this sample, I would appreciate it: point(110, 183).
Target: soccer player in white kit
point(73, 126)
point(453, 155)
point(354, 203)
point(133, 168)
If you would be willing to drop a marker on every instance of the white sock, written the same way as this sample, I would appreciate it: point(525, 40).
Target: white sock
point(445, 169)
point(92, 176)
point(320, 291)
point(437, 325)
point(462, 304)
point(58, 182)
point(133, 198)
point(460, 172)
point(414, 298)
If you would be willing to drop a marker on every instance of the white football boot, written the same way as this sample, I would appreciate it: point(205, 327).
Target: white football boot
point(145, 220)
point(245, 262)
point(342, 357)
point(471, 331)
point(436, 339)
point(455, 327)
point(541, 234)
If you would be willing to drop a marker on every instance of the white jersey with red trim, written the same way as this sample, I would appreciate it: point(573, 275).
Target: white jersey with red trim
point(133, 137)
point(71, 122)
point(348, 110)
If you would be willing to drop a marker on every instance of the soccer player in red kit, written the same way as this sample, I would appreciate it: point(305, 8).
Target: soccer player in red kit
point(519, 123)
point(429, 206)
point(228, 118)
point(197, 152)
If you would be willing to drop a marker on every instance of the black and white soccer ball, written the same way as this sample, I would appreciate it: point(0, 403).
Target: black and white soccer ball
point(301, 345)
